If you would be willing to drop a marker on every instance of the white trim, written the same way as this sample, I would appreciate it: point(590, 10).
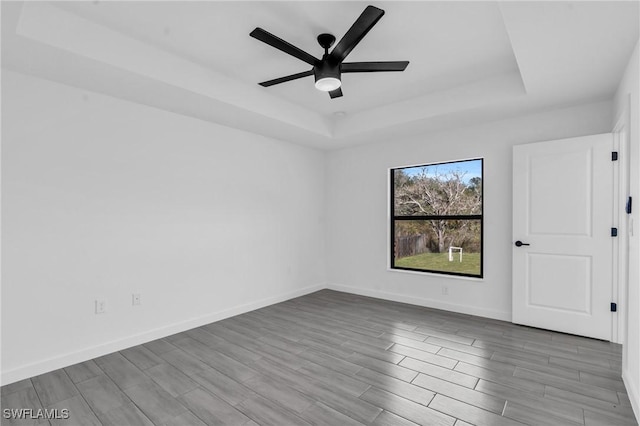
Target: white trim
point(621, 244)
point(419, 301)
point(71, 358)
point(634, 394)
point(435, 274)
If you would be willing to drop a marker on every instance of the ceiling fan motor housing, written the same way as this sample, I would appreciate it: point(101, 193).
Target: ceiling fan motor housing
point(325, 69)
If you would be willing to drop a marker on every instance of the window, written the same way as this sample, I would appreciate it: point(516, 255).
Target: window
point(436, 218)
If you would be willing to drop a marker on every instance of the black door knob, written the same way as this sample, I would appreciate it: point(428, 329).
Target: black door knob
point(520, 244)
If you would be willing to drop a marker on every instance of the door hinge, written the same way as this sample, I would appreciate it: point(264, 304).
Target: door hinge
point(614, 156)
point(614, 232)
point(614, 307)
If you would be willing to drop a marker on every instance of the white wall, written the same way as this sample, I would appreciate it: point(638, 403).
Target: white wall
point(103, 198)
point(357, 208)
point(626, 107)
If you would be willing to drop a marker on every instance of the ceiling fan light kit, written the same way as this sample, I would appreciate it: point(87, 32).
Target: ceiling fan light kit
point(328, 84)
point(328, 71)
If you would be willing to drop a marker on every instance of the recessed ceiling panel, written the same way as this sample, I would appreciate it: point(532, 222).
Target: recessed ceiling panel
point(447, 43)
point(468, 60)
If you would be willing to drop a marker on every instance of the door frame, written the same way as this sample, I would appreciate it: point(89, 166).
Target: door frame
point(620, 278)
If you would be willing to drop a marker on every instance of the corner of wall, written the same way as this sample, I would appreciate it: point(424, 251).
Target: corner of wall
point(634, 394)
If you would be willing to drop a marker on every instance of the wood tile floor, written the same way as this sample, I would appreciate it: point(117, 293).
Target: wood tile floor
point(337, 359)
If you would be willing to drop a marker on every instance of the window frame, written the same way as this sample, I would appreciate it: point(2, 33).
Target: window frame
point(393, 218)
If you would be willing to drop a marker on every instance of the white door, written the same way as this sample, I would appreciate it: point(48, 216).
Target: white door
point(562, 215)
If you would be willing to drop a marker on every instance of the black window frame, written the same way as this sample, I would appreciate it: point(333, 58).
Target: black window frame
point(394, 218)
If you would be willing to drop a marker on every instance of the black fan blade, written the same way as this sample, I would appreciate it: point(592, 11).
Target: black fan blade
point(374, 66)
point(282, 45)
point(358, 30)
point(287, 78)
point(336, 93)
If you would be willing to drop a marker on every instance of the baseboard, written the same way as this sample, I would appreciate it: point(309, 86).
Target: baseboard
point(633, 392)
point(71, 358)
point(419, 301)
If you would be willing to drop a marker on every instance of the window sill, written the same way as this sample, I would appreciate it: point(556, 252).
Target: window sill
point(434, 274)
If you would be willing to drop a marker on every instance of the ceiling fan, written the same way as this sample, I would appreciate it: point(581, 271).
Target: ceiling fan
point(328, 70)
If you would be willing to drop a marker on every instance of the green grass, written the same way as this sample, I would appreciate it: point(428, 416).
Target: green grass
point(440, 262)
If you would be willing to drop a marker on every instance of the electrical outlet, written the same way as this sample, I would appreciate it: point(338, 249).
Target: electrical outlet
point(445, 290)
point(135, 299)
point(101, 306)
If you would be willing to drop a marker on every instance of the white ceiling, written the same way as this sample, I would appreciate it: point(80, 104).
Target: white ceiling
point(469, 61)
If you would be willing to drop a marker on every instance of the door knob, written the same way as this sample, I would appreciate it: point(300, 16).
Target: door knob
point(520, 244)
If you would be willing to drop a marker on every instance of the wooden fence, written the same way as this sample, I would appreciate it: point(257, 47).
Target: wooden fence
point(410, 245)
